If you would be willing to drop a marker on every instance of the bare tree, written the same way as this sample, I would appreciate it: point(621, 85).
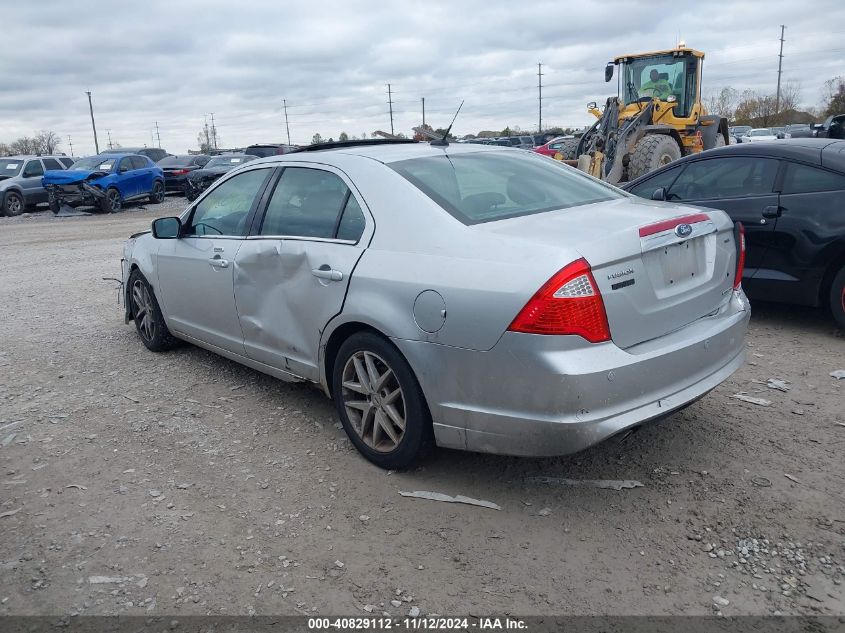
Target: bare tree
point(5, 150)
point(47, 142)
point(723, 103)
point(316, 139)
point(833, 95)
point(343, 136)
point(24, 145)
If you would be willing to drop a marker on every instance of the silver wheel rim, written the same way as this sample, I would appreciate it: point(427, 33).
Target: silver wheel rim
point(373, 400)
point(157, 191)
point(13, 204)
point(114, 199)
point(143, 310)
point(665, 159)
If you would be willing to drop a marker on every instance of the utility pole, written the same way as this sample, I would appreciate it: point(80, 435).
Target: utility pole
point(287, 125)
point(780, 66)
point(390, 102)
point(213, 132)
point(93, 126)
point(423, 104)
point(158, 136)
point(205, 129)
point(109, 133)
point(69, 142)
point(540, 97)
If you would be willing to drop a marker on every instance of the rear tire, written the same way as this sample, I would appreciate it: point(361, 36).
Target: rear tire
point(837, 298)
point(569, 148)
point(376, 394)
point(13, 204)
point(149, 322)
point(652, 152)
point(157, 195)
point(111, 202)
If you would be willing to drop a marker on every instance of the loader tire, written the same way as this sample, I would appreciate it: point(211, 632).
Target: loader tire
point(652, 152)
point(568, 149)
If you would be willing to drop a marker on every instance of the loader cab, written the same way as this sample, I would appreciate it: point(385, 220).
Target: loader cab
point(670, 76)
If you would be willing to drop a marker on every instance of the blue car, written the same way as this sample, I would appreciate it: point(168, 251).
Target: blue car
point(105, 182)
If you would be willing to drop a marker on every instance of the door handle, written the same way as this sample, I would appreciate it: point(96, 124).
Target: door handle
point(324, 272)
point(772, 212)
point(216, 262)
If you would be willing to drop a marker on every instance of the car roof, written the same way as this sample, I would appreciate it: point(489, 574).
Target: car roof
point(26, 156)
point(387, 152)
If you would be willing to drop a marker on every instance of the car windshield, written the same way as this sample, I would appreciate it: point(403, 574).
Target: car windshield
point(486, 186)
point(173, 161)
point(224, 161)
point(95, 163)
point(762, 132)
point(9, 167)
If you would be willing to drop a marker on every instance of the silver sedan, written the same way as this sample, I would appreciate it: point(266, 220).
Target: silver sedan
point(473, 297)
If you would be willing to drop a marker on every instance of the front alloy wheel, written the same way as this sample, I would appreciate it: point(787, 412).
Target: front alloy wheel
point(143, 311)
point(374, 401)
point(149, 322)
point(14, 204)
point(111, 202)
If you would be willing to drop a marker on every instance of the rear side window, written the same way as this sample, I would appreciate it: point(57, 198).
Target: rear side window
point(730, 177)
point(352, 221)
point(305, 203)
point(67, 162)
point(800, 178)
point(140, 162)
point(664, 179)
point(51, 163)
point(495, 185)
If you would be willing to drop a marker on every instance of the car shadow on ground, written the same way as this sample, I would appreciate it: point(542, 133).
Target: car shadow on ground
point(808, 319)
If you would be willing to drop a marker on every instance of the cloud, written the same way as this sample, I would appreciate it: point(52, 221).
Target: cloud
point(331, 60)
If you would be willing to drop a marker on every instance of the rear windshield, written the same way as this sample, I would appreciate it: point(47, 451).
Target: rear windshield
point(486, 186)
point(175, 161)
point(225, 161)
point(9, 167)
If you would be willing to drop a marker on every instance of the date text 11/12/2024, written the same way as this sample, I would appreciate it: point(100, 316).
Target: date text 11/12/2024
point(430, 623)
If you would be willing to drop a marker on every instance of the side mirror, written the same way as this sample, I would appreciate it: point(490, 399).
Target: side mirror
point(659, 194)
point(608, 71)
point(167, 228)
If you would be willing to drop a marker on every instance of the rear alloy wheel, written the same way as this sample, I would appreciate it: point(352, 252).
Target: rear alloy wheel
point(111, 202)
point(652, 152)
point(837, 298)
point(13, 204)
point(149, 322)
point(380, 403)
point(157, 195)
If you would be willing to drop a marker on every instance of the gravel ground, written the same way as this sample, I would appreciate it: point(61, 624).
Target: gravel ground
point(183, 483)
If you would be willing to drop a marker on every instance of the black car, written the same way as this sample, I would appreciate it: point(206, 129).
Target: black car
point(155, 154)
point(799, 130)
point(263, 150)
point(789, 196)
point(833, 127)
point(177, 168)
point(200, 179)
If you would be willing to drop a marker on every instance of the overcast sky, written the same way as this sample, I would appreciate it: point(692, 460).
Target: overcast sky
point(174, 62)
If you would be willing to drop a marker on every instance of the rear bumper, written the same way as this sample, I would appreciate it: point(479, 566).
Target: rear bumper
point(175, 183)
point(541, 396)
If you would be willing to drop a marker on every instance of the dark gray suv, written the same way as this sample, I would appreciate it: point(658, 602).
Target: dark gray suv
point(20, 181)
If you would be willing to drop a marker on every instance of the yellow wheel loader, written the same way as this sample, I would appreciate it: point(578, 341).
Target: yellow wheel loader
point(656, 117)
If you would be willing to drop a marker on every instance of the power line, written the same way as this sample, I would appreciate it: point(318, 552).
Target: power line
point(158, 135)
point(780, 65)
point(540, 97)
point(423, 110)
point(390, 103)
point(93, 126)
point(287, 126)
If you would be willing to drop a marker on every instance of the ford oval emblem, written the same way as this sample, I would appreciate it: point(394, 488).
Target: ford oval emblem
point(683, 230)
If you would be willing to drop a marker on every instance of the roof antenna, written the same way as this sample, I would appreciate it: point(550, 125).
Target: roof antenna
point(443, 142)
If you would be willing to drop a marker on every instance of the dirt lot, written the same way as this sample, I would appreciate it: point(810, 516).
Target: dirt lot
point(183, 483)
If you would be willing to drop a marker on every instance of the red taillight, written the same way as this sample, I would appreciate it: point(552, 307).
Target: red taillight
point(568, 303)
point(739, 237)
point(179, 172)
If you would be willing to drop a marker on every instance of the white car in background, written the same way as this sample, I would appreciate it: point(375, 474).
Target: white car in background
point(758, 134)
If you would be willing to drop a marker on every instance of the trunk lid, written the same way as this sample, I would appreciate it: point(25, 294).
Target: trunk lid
point(654, 278)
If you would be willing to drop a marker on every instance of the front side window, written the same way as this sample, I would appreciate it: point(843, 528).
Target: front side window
point(126, 164)
point(305, 203)
point(225, 209)
point(800, 178)
point(486, 186)
point(33, 168)
point(664, 179)
point(730, 177)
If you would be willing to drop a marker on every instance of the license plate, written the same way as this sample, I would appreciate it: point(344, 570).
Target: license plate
point(680, 262)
